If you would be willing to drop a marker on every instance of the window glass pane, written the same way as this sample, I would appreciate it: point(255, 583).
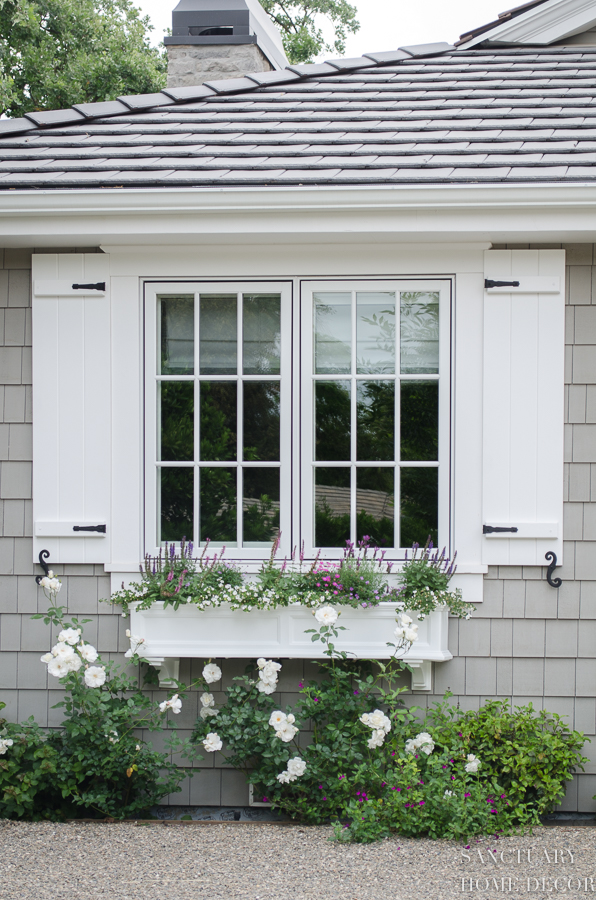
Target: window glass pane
point(262, 334)
point(419, 506)
point(219, 401)
point(332, 507)
point(419, 332)
point(375, 331)
point(333, 333)
point(176, 317)
point(176, 492)
point(332, 417)
point(375, 405)
point(218, 332)
point(261, 420)
point(375, 511)
point(218, 505)
point(419, 420)
point(177, 404)
point(260, 504)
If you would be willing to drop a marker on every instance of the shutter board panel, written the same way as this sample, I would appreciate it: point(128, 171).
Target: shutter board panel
point(523, 409)
point(71, 407)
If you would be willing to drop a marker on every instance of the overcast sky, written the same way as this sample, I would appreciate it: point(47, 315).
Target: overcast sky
point(385, 24)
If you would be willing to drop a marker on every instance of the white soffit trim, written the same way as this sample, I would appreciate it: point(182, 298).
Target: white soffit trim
point(545, 24)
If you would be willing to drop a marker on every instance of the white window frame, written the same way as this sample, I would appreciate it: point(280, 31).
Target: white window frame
point(444, 286)
point(153, 288)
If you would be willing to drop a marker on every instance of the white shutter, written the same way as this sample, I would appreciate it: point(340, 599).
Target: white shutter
point(523, 403)
point(71, 407)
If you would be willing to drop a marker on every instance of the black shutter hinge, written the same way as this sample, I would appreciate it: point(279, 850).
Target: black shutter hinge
point(491, 284)
point(99, 528)
point(496, 529)
point(99, 286)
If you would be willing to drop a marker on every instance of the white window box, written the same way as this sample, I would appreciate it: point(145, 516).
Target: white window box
point(280, 634)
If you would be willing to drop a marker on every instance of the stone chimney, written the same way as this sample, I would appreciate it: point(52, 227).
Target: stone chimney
point(215, 39)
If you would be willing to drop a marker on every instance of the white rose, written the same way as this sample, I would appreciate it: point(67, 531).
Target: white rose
point(212, 742)
point(286, 733)
point(207, 711)
point(69, 635)
point(63, 651)
point(135, 643)
point(58, 667)
point(265, 688)
point(211, 673)
point(365, 719)
point(47, 657)
point(296, 766)
point(95, 676)
point(411, 634)
point(448, 794)
point(54, 586)
point(174, 703)
point(261, 662)
point(326, 615)
point(473, 764)
point(379, 720)
point(278, 719)
point(5, 743)
point(74, 664)
point(127, 632)
point(399, 633)
point(207, 699)
point(285, 778)
point(291, 719)
point(88, 652)
point(377, 739)
point(404, 619)
point(411, 746)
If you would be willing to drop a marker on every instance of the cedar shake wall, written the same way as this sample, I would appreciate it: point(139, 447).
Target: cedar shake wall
point(527, 641)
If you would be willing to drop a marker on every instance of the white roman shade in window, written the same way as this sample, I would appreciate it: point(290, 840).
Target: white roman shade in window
point(71, 407)
point(523, 399)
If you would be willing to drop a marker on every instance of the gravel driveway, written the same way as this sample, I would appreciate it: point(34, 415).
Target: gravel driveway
point(45, 861)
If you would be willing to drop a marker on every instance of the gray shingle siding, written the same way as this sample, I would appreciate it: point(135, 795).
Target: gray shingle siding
point(527, 642)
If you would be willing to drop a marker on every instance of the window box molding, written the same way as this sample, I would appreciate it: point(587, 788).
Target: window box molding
point(189, 633)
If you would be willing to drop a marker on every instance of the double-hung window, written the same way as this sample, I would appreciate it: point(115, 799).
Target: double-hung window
point(356, 381)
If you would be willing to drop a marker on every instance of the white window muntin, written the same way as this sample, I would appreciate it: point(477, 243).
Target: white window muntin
point(152, 463)
point(308, 464)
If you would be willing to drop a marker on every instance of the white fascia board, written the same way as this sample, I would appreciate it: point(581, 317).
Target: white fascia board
point(401, 212)
point(552, 21)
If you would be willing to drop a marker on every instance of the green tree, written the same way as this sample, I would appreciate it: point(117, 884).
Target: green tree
point(299, 22)
point(54, 53)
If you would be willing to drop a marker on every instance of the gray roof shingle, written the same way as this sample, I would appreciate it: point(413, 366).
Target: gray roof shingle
point(426, 115)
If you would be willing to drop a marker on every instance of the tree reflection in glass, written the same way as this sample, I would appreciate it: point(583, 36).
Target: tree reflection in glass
point(333, 333)
point(332, 506)
point(218, 421)
point(419, 518)
point(262, 334)
point(176, 317)
point(218, 330)
point(375, 509)
point(375, 412)
point(260, 504)
point(419, 328)
point(375, 332)
point(419, 420)
point(218, 505)
point(261, 420)
point(176, 492)
point(177, 405)
point(333, 421)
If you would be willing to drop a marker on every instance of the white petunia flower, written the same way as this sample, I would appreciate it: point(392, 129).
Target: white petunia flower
point(69, 635)
point(174, 703)
point(211, 673)
point(88, 652)
point(63, 651)
point(58, 667)
point(207, 699)
point(473, 764)
point(296, 766)
point(47, 657)
point(278, 719)
point(326, 615)
point(212, 742)
point(95, 676)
